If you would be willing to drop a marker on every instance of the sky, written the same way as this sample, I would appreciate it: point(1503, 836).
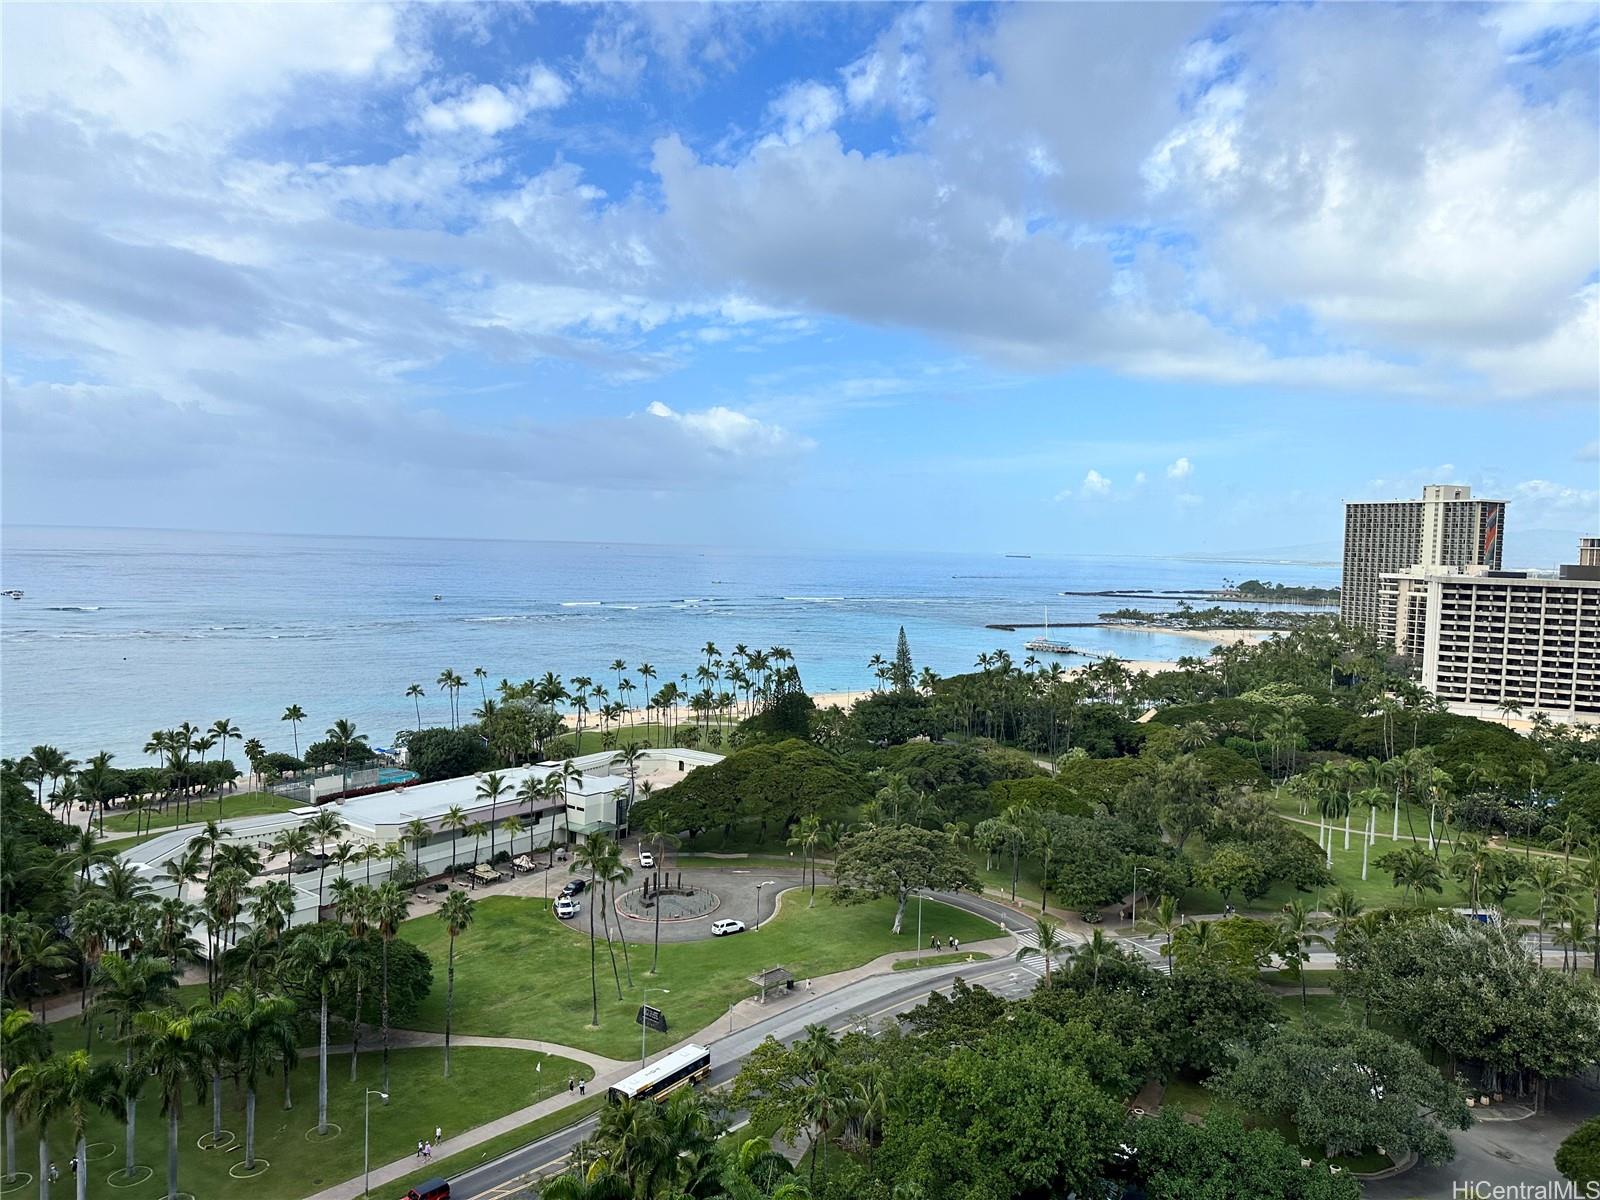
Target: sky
point(1082, 278)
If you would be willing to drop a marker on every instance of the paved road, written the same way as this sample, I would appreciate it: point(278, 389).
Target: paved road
point(868, 1003)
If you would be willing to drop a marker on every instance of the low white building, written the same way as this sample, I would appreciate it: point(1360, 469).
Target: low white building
point(593, 799)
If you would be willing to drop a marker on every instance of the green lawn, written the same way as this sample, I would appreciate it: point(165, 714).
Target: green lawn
point(522, 973)
point(241, 804)
point(940, 960)
point(484, 1084)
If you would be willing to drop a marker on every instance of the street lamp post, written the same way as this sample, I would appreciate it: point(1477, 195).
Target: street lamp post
point(759, 886)
point(366, 1138)
point(1136, 870)
point(643, 1028)
point(919, 926)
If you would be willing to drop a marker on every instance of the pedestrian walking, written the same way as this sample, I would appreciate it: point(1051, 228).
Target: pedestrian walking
point(955, 943)
point(427, 1151)
point(54, 1174)
point(419, 1147)
point(582, 1086)
point(438, 1135)
point(572, 1084)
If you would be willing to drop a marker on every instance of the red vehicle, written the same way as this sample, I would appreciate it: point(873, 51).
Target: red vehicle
point(434, 1189)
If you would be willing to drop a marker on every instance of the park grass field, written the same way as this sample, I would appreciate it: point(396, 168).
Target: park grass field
point(240, 804)
point(522, 973)
point(484, 1083)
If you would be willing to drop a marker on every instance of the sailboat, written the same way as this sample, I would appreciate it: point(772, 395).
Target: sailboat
point(1044, 644)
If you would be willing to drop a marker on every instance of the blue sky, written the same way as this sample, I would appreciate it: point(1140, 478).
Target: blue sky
point(1069, 278)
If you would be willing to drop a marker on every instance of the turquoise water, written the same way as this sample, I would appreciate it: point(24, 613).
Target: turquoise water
point(121, 632)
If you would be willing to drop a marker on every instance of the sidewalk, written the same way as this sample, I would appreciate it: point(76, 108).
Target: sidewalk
point(742, 1015)
point(411, 1039)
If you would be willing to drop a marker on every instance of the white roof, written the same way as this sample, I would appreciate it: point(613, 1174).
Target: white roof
point(661, 1068)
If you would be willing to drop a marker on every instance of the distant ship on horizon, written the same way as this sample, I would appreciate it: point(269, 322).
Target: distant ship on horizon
point(1019, 556)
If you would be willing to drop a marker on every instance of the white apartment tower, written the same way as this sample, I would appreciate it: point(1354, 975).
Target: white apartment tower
point(1447, 528)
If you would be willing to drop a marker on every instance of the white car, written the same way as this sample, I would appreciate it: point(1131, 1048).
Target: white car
point(646, 859)
point(727, 926)
point(567, 908)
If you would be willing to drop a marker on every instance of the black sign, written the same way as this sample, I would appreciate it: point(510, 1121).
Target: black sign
point(651, 1018)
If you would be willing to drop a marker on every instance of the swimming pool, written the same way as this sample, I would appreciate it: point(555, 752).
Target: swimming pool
point(393, 776)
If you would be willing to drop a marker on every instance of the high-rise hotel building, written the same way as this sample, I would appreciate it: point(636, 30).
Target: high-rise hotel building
point(1446, 528)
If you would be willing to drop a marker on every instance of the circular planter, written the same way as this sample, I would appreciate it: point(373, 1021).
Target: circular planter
point(141, 1174)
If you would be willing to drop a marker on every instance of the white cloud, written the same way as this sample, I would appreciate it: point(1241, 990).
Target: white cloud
point(804, 109)
point(1537, 503)
point(1181, 469)
point(1096, 484)
point(1140, 479)
point(731, 432)
point(487, 109)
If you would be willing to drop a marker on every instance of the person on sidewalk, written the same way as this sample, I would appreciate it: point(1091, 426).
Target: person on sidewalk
point(438, 1134)
point(582, 1086)
point(419, 1147)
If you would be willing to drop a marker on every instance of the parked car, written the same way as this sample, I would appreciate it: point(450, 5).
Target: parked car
point(574, 886)
point(566, 908)
point(726, 926)
point(434, 1189)
point(646, 859)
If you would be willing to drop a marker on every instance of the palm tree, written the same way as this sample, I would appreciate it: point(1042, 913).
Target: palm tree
point(257, 1023)
point(1554, 888)
point(319, 959)
point(414, 832)
point(23, 1041)
point(513, 828)
point(342, 733)
point(617, 874)
point(455, 820)
point(294, 714)
point(806, 836)
point(1297, 937)
point(591, 856)
point(481, 675)
point(1166, 919)
point(70, 1086)
point(415, 693)
point(39, 951)
point(456, 913)
point(169, 1045)
point(657, 837)
point(491, 787)
point(132, 986)
point(224, 728)
point(390, 906)
point(599, 1182)
point(1049, 943)
point(325, 826)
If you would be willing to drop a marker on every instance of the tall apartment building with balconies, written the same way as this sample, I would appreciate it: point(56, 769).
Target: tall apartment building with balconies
point(1446, 528)
point(1506, 637)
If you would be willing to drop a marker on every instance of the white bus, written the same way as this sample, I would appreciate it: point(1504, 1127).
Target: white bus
point(688, 1065)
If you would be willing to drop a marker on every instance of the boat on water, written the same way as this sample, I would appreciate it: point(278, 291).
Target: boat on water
point(1047, 644)
point(1019, 556)
point(14, 593)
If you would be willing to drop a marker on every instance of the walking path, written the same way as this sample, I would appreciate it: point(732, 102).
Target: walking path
point(409, 1039)
point(742, 1015)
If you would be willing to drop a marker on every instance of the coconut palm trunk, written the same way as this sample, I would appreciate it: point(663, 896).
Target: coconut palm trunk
point(81, 1153)
point(250, 1129)
point(172, 1154)
point(322, 1064)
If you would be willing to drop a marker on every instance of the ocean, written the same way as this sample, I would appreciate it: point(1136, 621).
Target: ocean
point(121, 632)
